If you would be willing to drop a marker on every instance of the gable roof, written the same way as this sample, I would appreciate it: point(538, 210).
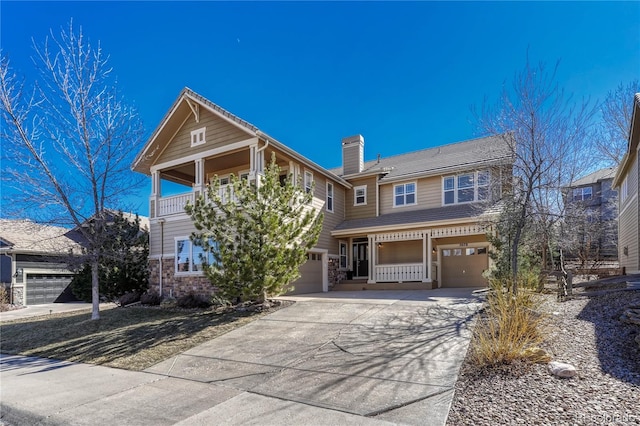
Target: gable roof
point(480, 152)
point(25, 236)
point(184, 106)
point(632, 146)
point(597, 176)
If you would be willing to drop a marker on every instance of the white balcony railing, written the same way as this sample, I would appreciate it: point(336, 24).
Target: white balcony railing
point(399, 273)
point(174, 204)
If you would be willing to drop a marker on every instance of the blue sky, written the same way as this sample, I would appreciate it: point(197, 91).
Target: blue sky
point(402, 74)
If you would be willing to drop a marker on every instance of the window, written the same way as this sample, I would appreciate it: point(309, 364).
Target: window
point(329, 197)
point(624, 190)
point(197, 137)
point(465, 188)
point(446, 252)
point(580, 194)
point(404, 194)
point(360, 195)
point(343, 255)
point(308, 181)
point(191, 258)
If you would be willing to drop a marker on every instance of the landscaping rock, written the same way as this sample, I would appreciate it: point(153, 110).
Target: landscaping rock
point(561, 369)
point(631, 315)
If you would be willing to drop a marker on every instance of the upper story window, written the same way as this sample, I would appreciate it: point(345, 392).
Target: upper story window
point(624, 190)
point(360, 195)
point(329, 197)
point(404, 194)
point(580, 194)
point(198, 137)
point(190, 258)
point(465, 188)
point(308, 181)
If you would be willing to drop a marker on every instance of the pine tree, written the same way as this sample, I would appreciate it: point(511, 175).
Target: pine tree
point(255, 237)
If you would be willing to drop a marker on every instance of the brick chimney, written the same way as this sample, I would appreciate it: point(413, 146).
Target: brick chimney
point(352, 154)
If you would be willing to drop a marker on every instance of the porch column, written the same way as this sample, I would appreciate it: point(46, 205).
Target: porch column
point(428, 257)
point(198, 185)
point(154, 198)
point(372, 259)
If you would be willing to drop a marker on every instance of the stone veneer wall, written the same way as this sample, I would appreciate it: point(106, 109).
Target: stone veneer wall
point(334, 272)
point(17, 296)
point(176, 286)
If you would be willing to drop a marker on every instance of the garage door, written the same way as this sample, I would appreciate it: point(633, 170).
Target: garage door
point(47, 288)
point(310, 280)
point(463, 267)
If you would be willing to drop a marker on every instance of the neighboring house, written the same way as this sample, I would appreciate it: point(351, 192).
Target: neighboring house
point(34, 261)
point(627, 182)
point(413, 218)
point(592, 204)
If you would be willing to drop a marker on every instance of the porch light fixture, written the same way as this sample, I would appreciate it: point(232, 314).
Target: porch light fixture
point(18, 272)
point(380, 245)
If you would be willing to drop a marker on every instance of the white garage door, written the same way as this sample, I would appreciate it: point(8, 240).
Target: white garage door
point(310, 280)
point(463, 267)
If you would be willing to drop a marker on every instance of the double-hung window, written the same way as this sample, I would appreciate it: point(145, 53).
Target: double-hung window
point(190, 257)
point(465, 188)
point(308, 181)
point(329, 197)
point(360, 195)
point(404, 194)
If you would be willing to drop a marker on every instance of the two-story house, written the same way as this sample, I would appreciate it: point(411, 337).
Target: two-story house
point(591, 203)
point(627, 182)
point(412, 220)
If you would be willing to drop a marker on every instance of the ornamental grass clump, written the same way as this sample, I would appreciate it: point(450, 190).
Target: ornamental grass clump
point(511, 329)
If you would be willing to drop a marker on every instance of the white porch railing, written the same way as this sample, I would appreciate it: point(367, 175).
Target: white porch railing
point(399, 273)
point(174, 204)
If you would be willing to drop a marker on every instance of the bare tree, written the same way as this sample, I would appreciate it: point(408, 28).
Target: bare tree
point(68, 141)
point(613, 131)
point(547, 135)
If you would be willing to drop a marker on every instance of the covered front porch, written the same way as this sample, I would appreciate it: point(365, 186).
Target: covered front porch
point(409, 259)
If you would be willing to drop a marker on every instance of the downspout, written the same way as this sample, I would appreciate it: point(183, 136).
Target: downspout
point(259, 150)
point(161, 221)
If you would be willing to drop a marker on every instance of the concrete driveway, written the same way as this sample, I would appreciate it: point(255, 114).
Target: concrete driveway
point(372, 357)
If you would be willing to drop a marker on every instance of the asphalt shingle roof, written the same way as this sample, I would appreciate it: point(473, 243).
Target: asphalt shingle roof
point(27, 236)
point(460, 211)
point(598, 175)
point(442, 159)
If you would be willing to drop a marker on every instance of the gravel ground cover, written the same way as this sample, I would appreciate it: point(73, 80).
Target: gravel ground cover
point(586, 332)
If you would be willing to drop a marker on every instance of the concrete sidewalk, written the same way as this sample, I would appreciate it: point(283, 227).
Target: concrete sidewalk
point(331, 358)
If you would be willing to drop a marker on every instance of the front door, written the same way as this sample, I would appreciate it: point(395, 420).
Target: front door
point(360, 259)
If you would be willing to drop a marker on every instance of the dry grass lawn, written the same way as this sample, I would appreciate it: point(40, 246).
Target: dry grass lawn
point(132, 338)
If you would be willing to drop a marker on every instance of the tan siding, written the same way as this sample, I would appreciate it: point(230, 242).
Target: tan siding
point(628, 223)
point(400, 252)
point(628, 237)
point(428, 190)
point(368, 210)
point(172, 229)
point(219, 133)
point(331, 220)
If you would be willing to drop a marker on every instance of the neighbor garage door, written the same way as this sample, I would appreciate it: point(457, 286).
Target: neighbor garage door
point(46, 288)
point(463, 267)
point(310, 280)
